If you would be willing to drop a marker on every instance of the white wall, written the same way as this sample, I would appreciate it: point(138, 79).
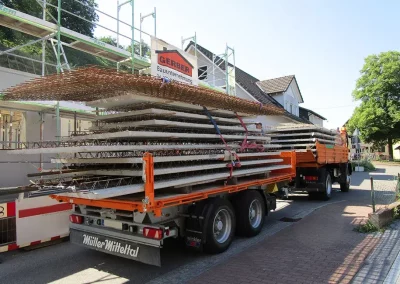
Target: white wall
point(316, 120)
point(280, 98)
point(396, 153)
point(10, 77)
point(291, 99)
point(67, 126)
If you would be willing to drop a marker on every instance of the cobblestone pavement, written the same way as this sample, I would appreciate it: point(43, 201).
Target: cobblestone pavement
point(321, 248)
point(377, 266)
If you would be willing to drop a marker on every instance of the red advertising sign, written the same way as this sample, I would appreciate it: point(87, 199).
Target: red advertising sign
point(174, 60)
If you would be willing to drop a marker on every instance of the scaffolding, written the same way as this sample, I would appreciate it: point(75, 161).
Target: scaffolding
point(46, 30)
point(221, 73)
point(52, 31)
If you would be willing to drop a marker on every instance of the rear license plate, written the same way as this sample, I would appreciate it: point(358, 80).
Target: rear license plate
point(123, 248)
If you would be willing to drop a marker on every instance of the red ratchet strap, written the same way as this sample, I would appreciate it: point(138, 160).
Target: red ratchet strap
point(233, 164)
point(246, 145)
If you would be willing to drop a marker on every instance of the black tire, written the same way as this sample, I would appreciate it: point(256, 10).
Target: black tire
point(345, 186)
point(218, 206)
point(327, 189)
point(246, 225)
point(314, 195)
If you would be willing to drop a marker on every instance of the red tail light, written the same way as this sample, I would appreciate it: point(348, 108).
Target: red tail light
point(153, 233)
point(76, 219)
point(311, 178)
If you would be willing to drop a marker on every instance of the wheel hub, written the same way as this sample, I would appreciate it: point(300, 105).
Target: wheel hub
point(219, 225)
point(222, 226)
point(252, 213)
point(255, 212)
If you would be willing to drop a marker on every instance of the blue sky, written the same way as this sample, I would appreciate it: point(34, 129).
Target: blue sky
point(323, 43)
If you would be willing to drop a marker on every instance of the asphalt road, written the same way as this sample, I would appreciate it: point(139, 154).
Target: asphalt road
point(67, 263)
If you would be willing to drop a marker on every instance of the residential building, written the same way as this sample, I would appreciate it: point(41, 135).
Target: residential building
point(282, 92)
point(25, 122)
point(246, 86)
point(285, 90)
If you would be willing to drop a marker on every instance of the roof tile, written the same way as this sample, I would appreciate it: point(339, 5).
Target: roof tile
point(276, 85)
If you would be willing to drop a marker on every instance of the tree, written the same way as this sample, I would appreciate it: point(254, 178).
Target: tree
point(378, 88)
point(146, 50)
point(74, 23)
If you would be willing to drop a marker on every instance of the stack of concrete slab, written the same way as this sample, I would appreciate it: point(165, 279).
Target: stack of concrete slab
point(301, 137)
point(191, 146)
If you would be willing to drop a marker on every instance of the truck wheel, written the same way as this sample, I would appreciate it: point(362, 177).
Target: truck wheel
point(326, 195)
point(220, 226)
point(345, 186)
point(250, 211)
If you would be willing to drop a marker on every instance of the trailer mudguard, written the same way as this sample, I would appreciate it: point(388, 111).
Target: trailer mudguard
point(117, 246)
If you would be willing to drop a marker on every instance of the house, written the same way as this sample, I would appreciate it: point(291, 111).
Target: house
point(368, 149)
point(22, 122)
point(311, 116)
point(283, 92)
point(246, 86)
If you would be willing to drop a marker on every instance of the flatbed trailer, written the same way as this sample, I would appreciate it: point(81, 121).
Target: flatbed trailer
point(136, 227)
point(317, 170)
point(135, 184)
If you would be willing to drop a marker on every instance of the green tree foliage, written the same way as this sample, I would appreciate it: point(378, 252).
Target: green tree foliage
point(378, 88)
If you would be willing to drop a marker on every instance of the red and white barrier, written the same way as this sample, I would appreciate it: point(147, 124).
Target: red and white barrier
point(37, 220)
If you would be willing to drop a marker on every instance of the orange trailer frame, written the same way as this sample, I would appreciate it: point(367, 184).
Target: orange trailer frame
point(326, 154)
point(151, 203)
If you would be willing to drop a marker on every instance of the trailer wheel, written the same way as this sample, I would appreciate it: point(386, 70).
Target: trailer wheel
point(326, 194)
point(250, 211)
point(220, 226)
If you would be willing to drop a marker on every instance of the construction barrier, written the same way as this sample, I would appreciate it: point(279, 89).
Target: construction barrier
point(8, 230)
point(32, 221)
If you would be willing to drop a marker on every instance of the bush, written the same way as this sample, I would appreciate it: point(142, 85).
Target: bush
point(366, 228)
point(368, 166)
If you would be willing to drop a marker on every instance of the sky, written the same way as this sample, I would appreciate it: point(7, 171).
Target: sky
point(322, 42)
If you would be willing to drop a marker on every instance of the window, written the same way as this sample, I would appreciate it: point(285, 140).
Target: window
point(202, 73)
point(291, 108)
point(287, 105)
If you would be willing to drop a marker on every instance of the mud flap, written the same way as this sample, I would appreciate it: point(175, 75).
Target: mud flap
point(119, 247)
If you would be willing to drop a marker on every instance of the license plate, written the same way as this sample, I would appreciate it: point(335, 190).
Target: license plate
point(123, 248)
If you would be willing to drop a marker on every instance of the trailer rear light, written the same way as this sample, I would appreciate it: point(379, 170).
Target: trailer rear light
point(310, 178)
point(76, 219)
point(153, 233)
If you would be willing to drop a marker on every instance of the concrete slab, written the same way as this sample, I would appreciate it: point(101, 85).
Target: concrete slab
point(154, 123)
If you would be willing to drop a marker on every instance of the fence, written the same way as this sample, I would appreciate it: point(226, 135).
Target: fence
point(384, 192)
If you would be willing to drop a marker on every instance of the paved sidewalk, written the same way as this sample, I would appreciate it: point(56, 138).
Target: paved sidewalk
point(383, 265)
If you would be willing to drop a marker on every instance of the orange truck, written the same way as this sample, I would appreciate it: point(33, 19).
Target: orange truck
point(317, 171)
